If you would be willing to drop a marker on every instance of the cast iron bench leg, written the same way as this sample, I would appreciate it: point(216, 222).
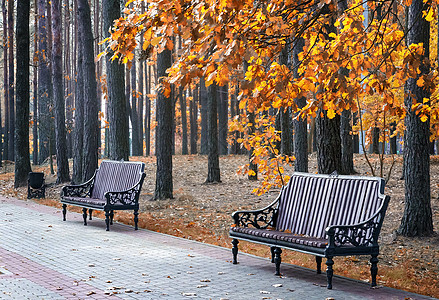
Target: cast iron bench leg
point(64, 211)
point(84, 215)
point(235, 243)
point(319, 264)
point(90, 212)
point(374, 269)
point(111, 216)
point(272, 253)
point(329, 271)
point(277, 260)
point(107, 219)
point(136, 218)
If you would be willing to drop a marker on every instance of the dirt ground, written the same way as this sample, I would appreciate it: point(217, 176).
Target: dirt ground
point(202, 212)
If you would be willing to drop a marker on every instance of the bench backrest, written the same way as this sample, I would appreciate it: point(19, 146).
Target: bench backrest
point(116, 176)
point(310, 203)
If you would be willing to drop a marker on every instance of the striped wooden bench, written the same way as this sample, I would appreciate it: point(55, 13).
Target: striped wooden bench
point(115, 186)
point(322, 215)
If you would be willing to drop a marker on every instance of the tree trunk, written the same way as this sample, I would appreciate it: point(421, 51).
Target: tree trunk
point(203, 105)
point(44, 83)
point(417, 219)
point(148, 112)
point(375, 147)
point(4, 132)
point(58, 93)
point(223, 107)
point(35, 160)
point(134, 112)
point(393, 145)
point(91, 126)
point(213, 167)
point(183, 110)
point(79, 116)
point(328, 144)
point(355, 137)
point(193, 121)
point(253, 168)
point(347, 154)
point(11, 95)
point(22, 160)
point(164, 185)
point(117, 113)
point(300, 124)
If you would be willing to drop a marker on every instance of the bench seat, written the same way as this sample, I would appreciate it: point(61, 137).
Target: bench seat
point(322, 215)
point(115, 185)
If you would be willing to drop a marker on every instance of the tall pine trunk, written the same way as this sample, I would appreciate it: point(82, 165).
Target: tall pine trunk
point(11, 92)
point(213, 167)
point(193, 121)
point(183, 110)
point(22, 159)
point(417, 219)
point(117, 113)
point(134, 112)
point(4, 147)
point(91, 126)
point(300, 123)
point(223, 106)
point(203, 105)
point(58, 93)
point(164, 106)
point(44, 82)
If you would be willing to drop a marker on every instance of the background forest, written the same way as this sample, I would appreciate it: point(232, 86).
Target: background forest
point(274, 81)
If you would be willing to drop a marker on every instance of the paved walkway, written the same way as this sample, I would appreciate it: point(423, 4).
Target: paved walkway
point(42, 257)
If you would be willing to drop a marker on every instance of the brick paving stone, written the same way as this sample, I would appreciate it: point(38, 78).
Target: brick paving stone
point(46, 258)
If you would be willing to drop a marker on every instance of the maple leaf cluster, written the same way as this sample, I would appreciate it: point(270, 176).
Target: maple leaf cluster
point(346, 63)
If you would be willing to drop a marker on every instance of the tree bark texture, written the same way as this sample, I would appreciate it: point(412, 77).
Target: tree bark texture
point(79, 117)
point(5, 84)
point(11, 80)
point(91, 125)
point(193, 121)
point(328, 144)
point(203, 105)
point(300, 124)
point(117, 113)
point(22, 159)
point(213, 167)
point(35, 160)
point(183, 110)
point(223, 112)
point(134, 112)
point(58, 93)
point(44, 83)
point(164, 106)
point(417, 219)
point(347, 154)
point(148, 112)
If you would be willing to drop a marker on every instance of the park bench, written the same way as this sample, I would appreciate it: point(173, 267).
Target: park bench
point(114, 186)
point(322, 215)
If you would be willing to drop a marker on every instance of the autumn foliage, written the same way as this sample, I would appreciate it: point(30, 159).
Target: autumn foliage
point(218, 36)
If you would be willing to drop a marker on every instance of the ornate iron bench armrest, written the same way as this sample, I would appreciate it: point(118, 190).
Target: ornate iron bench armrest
point(127, 197)
point(359, 235)
point(261, 218)
point(80, 190)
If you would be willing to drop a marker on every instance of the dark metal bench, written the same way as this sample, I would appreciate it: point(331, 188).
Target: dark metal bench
point(36, 186)
point(322, 215)
point(114, 186)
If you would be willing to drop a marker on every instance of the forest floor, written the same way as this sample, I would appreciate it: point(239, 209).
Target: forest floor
point(202, 212)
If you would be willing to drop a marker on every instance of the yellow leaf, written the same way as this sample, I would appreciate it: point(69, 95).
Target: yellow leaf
point(331, 113)
point(430, 16)
point(155, 41)
point(424, 118)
